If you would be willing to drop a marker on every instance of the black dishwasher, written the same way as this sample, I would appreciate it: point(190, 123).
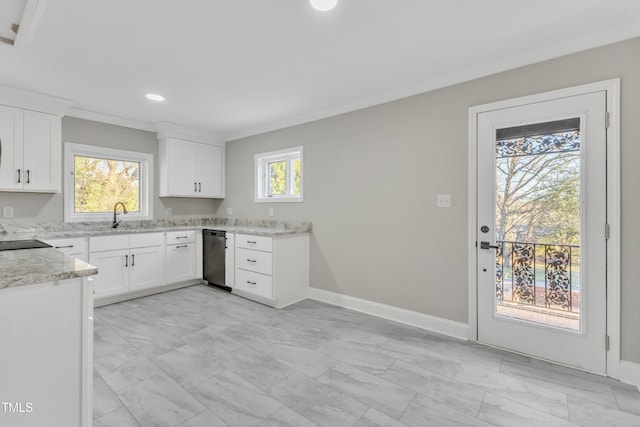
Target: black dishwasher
point(214, 245)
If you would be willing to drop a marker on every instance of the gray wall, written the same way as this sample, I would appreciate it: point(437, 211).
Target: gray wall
point(49, 207)
point(372, 176)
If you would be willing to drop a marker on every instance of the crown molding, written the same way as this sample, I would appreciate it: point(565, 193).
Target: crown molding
point(543, 53)
point(108, 119)
point(29, 100)
point(167, 130)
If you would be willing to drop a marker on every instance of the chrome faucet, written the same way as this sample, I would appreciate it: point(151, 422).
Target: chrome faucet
point(124, 211)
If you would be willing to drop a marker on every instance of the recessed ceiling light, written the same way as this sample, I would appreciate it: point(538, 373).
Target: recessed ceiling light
point(323, 5)
point(155, 97)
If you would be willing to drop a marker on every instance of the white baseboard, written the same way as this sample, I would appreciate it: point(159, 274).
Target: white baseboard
point(629, 372)
point(413, 318)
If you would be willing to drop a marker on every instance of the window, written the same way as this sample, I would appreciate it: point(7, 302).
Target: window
point(97, 177)
point(279, 176)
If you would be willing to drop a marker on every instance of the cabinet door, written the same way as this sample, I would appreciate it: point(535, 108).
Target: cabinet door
point(10, 148)
point(181, 263)
point(42, 152)
point(113, 272)
point(181, 168)
point(144, 271)
point(209, 171)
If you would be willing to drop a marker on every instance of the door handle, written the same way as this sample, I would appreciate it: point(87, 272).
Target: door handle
point(19, 175)
point(487, 245)
point(133, 260)
point(199, 187)
point(28, 176)
point(195, 187)
point(126, 260)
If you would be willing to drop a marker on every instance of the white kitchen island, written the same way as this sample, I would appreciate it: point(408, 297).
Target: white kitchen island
point(46, 337)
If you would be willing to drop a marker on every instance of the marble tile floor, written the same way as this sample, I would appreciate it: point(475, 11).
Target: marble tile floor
point(201, 357)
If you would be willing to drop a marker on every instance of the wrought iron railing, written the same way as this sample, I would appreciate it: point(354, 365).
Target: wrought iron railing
point(538, 274)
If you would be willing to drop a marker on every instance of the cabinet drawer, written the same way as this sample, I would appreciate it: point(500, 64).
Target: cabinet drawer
point(260, 262)
point(179, 237)
point(259, 243)
point(254, 283)
point(108, 243)
point(146, 240)
point(68, 246)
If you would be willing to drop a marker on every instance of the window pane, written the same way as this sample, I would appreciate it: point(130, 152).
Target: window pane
point(277, 178)
point(100, 183)
point(297, 177)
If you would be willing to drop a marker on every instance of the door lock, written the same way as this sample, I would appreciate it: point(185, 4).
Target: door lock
point(487, 245)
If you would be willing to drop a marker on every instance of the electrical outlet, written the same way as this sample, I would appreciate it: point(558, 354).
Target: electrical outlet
point(229, 211)
point(443, 200)
point(7, 212)
point(168, 211)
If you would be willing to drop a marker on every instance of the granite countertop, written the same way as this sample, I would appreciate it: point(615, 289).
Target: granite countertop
point(32, 266)
point(89, 229)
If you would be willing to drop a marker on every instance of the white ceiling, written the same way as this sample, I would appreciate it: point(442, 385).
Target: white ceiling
point(240, 67)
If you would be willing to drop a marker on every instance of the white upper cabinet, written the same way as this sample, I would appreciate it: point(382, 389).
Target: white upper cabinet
point(42, 152)
point(30, 141)
point(11, 125)
point(191, 163)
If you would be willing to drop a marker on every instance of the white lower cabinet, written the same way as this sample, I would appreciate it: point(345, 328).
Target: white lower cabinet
point(47, 354)
point(146, 268)
point(127, 263)
point(255, 283)
point(181, 262)
point(230, 261)
point(272, 270)
point(76, 247)
point(113, 272)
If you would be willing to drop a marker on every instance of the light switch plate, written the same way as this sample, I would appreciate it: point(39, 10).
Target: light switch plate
point(443, 200)
point(7, 212)
point(270, 211)
point(229, 211)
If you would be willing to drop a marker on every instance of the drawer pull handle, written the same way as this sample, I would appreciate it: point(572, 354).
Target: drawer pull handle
point(251, 260)
point(182, 246)
point(251, 243)
point(63, 247)
point(251, 283)
point(182, 237)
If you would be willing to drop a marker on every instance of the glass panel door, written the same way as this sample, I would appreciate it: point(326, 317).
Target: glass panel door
point(541, 215)
point(538, 223)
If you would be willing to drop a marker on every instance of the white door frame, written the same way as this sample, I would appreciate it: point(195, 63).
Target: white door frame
point(612, 88)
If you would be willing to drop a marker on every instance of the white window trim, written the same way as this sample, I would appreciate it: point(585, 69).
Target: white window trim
point(146, 181)
point(260, 161)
